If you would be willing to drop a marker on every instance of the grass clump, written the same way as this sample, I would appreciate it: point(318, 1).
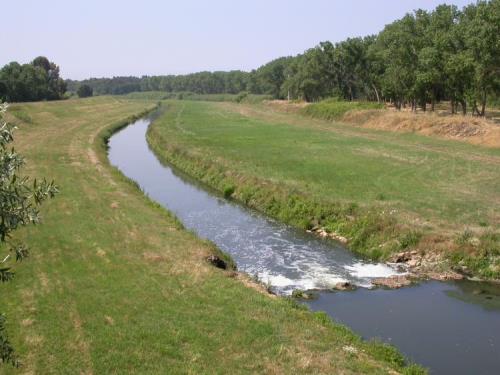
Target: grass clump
point(410, 239)
point(229, 191)
point(333, 109)
point(477, 256)
point(20, 114)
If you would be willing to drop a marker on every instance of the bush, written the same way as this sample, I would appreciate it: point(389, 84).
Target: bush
point(333, 109)
point(228, 191)
point(84, 91)
point(410, 239)
point(464, 237)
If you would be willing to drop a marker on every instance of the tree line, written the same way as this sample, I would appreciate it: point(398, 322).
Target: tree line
point(38, 80)
point(416, 61)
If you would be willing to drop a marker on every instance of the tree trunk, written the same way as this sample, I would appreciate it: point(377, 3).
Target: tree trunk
point(464, 107)
point(376, 93)
point(433, 104)
point(483, 104)
point(452, 106)
point(424, 106)
point(474, 109)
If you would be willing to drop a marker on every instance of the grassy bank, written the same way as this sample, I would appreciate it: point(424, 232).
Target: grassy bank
point(333, 109)
point(115, 285)
point(385, 191)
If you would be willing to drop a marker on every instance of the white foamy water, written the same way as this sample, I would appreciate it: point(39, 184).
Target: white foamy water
point(371, 270)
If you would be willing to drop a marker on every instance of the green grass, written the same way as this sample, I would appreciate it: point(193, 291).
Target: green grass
point(115, 285)
point(20, 114)
point(241, 97)
point(162, 95)
point(385, 191)
point(332, 109)
point(151, 95)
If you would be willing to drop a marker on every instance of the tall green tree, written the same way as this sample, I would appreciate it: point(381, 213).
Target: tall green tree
point(480, 28)
point(38, 80)
point(84, 91)
point(56, 86)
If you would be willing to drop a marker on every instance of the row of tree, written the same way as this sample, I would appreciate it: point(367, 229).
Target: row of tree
point(38, 80)
point(421, 59)
point(232, 82)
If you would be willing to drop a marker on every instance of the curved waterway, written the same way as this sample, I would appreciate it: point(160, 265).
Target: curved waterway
point(453, 328)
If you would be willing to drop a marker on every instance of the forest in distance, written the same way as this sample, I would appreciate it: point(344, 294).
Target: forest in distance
point(419, 60)
point(425, 57)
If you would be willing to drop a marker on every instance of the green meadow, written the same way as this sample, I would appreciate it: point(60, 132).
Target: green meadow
point(114, 284)
point(386, 191)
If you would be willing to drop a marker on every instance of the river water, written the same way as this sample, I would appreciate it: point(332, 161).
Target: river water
point(453, 328)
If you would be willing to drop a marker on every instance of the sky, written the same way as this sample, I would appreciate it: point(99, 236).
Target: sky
point(105, 38)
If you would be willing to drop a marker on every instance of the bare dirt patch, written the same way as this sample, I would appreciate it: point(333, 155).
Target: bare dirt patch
point(285, 105)
point(251, 283)
point(469, 129)
point(80, 342)
point(152, 257)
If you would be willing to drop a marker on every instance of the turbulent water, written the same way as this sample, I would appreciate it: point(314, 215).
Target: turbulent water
point(454, 328)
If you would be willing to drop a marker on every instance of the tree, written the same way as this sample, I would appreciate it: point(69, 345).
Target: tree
point(480, 28)
point(19, 202)
point(84, 91)
point(38, 80)
point(56, 87)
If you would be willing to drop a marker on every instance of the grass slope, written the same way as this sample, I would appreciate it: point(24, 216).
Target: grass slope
point(386, 191)
point(115, 285)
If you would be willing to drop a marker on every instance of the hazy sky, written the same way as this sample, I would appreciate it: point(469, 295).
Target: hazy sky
point(95, 38)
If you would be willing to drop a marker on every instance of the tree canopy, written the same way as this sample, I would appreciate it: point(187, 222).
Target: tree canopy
point(38, 80)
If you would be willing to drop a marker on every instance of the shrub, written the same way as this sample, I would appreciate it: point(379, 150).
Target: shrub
point(410, 239)
point(333, 109)
point(241, 96)
point(84, 91)
point(464, 237)
point(229, 191)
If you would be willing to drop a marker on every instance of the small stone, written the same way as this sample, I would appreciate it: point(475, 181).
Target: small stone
point(343, 285)
point(445, 276)
point(217, 262)
point(338, 238)
point(401, 257)
point(414, 262)
point(392, 282)
point(323, 233)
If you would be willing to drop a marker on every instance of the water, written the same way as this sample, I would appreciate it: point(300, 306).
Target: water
point(453, 328)
point(282, 256)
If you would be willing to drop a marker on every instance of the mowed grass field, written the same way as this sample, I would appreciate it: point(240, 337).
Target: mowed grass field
point(115, 285)
point(429, 185)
